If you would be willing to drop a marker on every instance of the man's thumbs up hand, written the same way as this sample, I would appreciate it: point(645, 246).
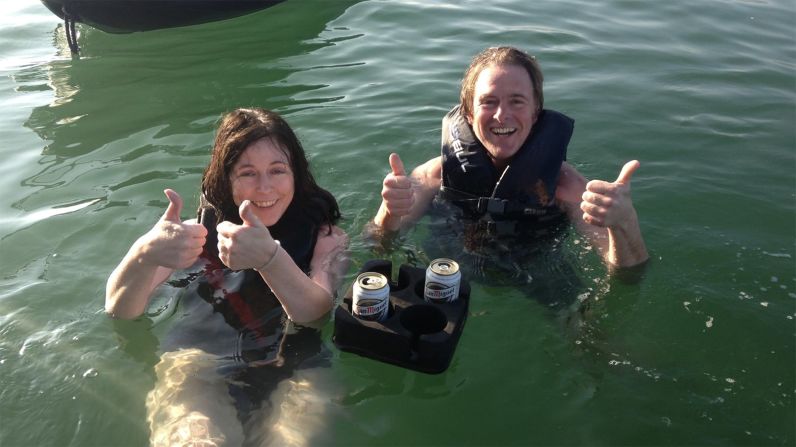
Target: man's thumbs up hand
point(607, 204)
point(397, 189)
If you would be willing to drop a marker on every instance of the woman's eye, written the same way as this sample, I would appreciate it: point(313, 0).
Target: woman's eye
point(279, 169)
point(247, 174)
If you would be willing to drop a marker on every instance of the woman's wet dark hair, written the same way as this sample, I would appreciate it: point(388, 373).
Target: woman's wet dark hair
point(236, 132)
point(500, 56)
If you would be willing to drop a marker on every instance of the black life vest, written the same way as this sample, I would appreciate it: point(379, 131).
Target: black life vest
point(524, 192)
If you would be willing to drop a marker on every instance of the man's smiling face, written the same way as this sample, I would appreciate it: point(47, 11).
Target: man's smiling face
point(504, 111)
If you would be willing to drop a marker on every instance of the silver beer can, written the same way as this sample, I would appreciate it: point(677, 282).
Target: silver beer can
point(442, 281)
point(371, 300)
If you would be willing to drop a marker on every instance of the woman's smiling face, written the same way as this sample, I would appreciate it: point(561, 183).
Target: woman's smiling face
point(504, 110)
point(263, 175)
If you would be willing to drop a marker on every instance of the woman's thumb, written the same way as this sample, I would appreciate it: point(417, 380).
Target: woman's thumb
point(248, 216)
point(172, 213)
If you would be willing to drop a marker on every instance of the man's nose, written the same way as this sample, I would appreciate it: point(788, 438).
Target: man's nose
point(500, 112)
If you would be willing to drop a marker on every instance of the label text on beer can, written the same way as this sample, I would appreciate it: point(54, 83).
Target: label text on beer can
point(371, 297)
point(442, 281)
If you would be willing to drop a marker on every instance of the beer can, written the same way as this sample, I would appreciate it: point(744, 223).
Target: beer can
point(442, 281)
point(371, 300)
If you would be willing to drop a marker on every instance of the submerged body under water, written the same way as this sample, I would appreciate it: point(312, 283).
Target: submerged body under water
point(234, 369)
point(533, 258)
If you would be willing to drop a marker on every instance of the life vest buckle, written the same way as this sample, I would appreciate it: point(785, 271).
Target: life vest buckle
point(492, 205)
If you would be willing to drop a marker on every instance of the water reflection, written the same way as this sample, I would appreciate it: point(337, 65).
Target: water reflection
point(179, 77)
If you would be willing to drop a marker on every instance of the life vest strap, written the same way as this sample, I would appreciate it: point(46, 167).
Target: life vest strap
point(498, 207)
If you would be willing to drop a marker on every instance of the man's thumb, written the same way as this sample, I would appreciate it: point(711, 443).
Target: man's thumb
point(246, 212)
point(627, 172)
point(397, 165)
point(172, 213)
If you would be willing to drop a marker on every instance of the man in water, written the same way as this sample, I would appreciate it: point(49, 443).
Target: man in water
point(502, 165)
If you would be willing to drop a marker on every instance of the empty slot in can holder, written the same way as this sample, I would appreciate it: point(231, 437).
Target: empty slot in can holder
point(423, 319)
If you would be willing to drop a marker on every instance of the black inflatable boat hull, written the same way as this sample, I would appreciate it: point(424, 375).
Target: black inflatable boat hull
point(126, 16)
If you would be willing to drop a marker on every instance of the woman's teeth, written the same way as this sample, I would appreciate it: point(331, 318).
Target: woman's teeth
point(265, 204)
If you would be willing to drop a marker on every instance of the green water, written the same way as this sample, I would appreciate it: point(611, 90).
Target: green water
point(701, 352)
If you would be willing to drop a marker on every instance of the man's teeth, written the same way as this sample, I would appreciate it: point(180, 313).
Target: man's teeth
point(503, 130)
point(265, 204)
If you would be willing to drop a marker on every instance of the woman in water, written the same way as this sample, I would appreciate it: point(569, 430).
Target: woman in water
point(265, 253)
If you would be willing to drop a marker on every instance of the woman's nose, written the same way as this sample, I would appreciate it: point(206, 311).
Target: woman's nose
point(263, 183)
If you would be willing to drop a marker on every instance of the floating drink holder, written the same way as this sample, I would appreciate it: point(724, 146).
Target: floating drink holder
point(416, 334)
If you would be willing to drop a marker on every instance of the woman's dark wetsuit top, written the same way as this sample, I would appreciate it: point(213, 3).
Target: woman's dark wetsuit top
point(235, 316)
